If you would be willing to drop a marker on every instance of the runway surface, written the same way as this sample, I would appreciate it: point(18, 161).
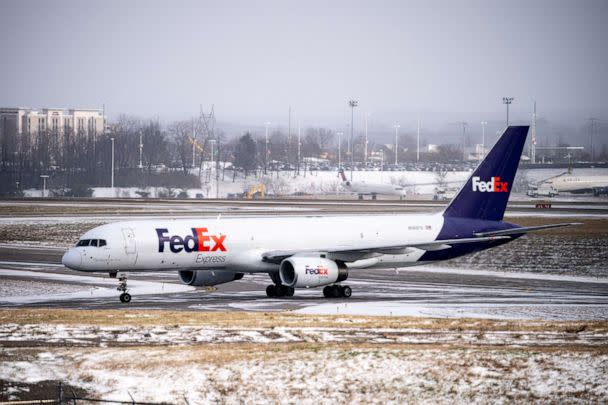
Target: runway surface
point(34, 278)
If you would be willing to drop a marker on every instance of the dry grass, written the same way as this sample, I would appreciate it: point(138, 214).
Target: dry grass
point(282, 319)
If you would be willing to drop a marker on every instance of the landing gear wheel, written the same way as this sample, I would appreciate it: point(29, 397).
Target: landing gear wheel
point(335, 291)
point(346, 291)
point(122, 287)
point(277, 291)
point(271, 291)
point(327, 292)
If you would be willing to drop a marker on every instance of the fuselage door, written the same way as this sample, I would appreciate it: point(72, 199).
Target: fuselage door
point(130, 246)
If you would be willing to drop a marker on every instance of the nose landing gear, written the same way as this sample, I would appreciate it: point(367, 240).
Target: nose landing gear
point(122, 287)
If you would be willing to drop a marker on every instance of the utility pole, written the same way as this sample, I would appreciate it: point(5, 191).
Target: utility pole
point(397, 126)
point(483, 139)
point(352, 104)
point(507, 101)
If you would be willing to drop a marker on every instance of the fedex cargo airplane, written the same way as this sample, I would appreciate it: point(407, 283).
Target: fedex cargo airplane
point(307, 252)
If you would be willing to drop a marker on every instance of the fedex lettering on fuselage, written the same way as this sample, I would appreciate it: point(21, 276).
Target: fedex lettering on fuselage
point(492, 186)
point(199, 241)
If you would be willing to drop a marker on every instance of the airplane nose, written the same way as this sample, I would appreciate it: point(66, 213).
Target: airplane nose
point(72, 259)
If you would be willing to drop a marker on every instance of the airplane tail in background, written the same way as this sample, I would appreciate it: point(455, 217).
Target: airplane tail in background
point(486, 193)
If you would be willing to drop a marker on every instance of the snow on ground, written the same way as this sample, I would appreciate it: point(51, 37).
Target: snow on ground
point(318, 182)
point(322, 375)
point(15, 288)
point(481, 311)
point(322, 182)
point(98, 287)
point(107, 336)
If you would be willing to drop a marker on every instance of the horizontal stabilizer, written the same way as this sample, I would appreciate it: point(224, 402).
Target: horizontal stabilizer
point(526, 229)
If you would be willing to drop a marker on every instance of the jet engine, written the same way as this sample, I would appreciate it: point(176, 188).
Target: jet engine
point(208, 277)
point(305, 272)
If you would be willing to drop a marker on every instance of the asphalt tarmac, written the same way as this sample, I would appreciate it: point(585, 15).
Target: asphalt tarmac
point(431, 291)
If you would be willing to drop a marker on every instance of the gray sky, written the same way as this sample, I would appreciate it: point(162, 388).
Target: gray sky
point(254, 59)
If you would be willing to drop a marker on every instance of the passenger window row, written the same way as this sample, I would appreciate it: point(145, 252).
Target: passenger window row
point(91, 242)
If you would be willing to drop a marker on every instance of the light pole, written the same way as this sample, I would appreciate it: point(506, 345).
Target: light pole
point(212, 142)
point(299, 147)
point(141, 147)
point(112, 177)
point(193, 146)
point(418, 140)
point(44, 177)
point(464, 141)
point(366, 143)
point(267, 124)
point(352, 104)
point(397, 126)
point(507, 101)
point(483, 139)
point(339, 150)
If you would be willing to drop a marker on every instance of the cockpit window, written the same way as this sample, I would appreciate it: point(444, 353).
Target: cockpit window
point(91, 242)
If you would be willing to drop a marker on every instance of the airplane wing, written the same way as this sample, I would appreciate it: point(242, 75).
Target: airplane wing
point(279, 255)
point(526, 229)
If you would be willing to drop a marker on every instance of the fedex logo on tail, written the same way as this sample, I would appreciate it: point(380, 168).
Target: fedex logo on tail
point(492, 186)
point(199, 241)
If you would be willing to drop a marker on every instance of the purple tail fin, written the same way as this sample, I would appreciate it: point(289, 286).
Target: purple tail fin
point(486, 193)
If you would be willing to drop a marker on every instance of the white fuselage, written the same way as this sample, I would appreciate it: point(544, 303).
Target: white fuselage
point(571, 183)
point(374, 188)
point(238, 244)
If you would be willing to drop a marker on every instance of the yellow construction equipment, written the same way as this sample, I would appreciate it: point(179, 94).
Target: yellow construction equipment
point(255, 192)
point(196, 144)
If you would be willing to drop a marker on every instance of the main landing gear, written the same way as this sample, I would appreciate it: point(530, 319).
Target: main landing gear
point(279, 290)
point(337, 291)
point(122, 287)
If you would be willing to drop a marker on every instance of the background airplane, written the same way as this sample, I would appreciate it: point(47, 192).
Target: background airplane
point(571, 183)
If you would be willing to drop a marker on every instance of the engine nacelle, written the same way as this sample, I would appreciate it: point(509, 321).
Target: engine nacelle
point(208, 277)
point(304, 272)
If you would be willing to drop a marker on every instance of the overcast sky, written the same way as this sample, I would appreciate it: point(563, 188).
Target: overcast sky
point(254, 59)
